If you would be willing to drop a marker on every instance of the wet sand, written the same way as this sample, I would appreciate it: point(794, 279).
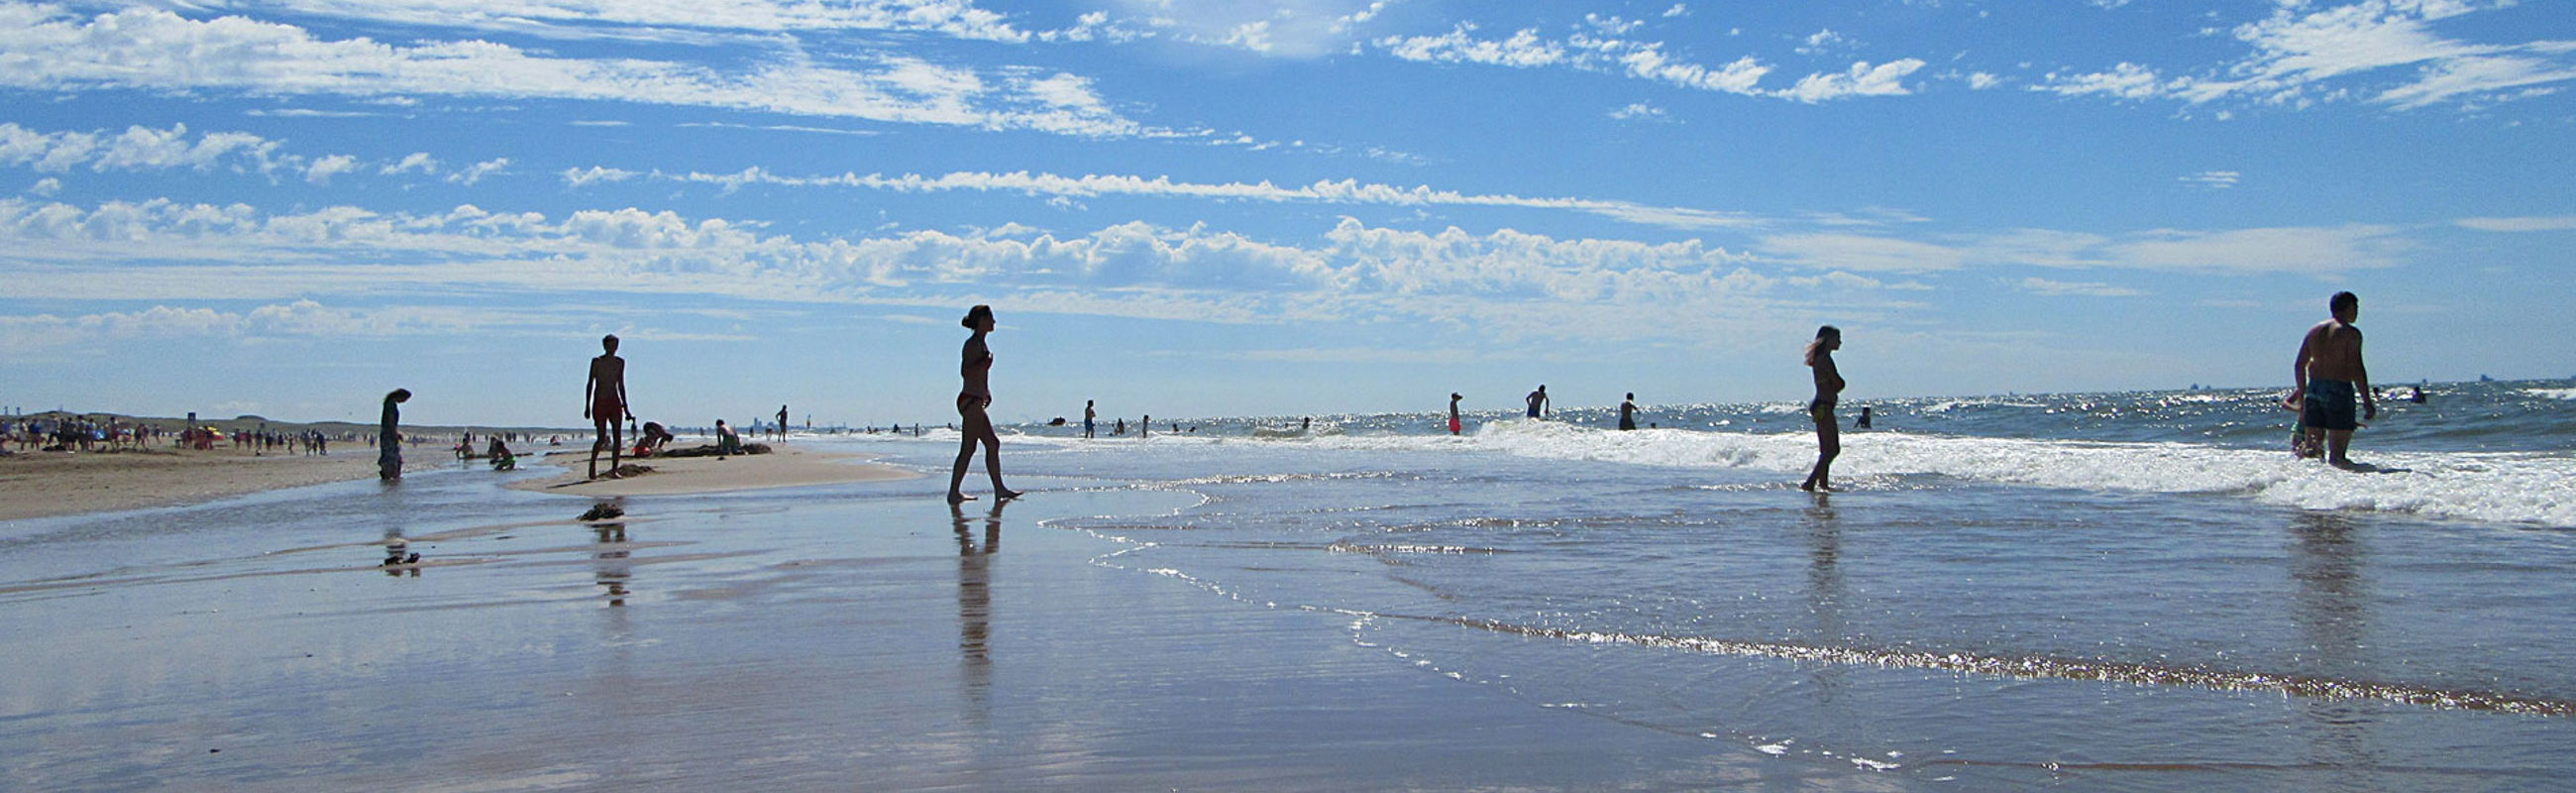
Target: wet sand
point(785, 466)
point(855, 636)
point(44, 484)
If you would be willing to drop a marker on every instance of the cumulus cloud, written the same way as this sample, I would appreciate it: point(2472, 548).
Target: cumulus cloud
point(138, 148)
point(1862, 79)
point(157, 50)
point(1600, 49)
point(321, 171)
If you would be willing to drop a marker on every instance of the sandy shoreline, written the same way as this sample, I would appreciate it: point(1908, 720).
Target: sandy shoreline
point(49, 484)
point(787, 466)
point(53, 484)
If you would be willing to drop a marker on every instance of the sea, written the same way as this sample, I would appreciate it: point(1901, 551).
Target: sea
point(2138, 590)
point(2117, 591)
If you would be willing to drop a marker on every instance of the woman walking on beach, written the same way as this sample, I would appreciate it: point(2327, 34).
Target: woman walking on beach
point(1829, 388)
point(973, 424)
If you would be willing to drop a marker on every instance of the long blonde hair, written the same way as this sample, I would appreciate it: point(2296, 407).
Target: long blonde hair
point(1817, 346)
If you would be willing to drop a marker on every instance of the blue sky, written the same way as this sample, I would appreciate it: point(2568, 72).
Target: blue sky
point(1231, 208)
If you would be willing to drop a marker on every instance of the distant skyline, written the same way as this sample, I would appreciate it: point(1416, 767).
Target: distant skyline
point(1244, 208)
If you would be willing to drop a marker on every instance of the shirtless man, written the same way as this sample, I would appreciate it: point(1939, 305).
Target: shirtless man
point(1537, 402)
point(2328, 375)
point(604, 403)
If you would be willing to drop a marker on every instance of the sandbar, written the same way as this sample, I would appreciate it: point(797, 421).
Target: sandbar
point(785, 466)
point(48, 484)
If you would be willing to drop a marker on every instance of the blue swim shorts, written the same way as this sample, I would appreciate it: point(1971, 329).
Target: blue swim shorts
point(2329, 406)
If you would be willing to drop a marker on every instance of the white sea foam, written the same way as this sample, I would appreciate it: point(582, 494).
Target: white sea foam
point(2552, 393)
point(2505, 487)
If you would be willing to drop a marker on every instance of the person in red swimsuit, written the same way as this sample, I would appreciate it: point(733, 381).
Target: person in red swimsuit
point(973, 424)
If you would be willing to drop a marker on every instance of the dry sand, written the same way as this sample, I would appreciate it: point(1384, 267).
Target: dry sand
point(46, 484)
point(782, 467)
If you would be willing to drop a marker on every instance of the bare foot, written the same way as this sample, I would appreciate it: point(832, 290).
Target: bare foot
point(1005, 495)
point(959, 498)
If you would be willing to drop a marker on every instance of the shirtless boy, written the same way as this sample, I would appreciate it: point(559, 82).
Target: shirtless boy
point(604, 403)
point(2328, 375)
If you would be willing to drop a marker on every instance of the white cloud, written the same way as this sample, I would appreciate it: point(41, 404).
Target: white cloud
point(2214, 180)
point(586, 18)
point(1862, 252)
point(1981, 81)
point(2523, 224)
point(46, 187)
point(416, 161)
point(1092, 186)
point(1599, 49)
point(1678, 10)
point(1640, 111)
point(577, 177)
point(138, 148)
point(476, 172)
point(2043, 286)
point(2310, 251)
point(2386, 51)
point(156, 50)
point(1886, 79)
point(2317, 251)
point(304, 318)
point(1821, 42)
point(321, 171)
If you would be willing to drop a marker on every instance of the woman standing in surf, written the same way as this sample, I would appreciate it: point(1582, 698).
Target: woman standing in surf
point(973, 424)
point(1829, 388)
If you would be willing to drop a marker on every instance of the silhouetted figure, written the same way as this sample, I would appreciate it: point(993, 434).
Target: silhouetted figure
point(976, 367)
point(604, 403)
point(1829, 388)
point(389, 462)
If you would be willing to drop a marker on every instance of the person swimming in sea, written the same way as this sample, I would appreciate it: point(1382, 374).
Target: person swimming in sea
point(1628, 412)
point(976, 367)
point(1829, 388)
point(1537, 402)
point(1454, 426)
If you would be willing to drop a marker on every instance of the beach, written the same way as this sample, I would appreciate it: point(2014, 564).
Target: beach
point(1370, 605)
point(43, 484)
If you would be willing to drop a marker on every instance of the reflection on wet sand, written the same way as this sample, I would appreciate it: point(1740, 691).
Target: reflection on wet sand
point(398, 556)
point(975, 601)
point(2331, 607)
point(610, 566)
point(1825, 593)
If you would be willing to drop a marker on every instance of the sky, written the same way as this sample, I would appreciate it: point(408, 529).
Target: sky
point(1228, 208)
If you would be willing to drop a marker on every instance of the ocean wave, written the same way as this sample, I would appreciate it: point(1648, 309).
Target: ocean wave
point(2513, 487)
